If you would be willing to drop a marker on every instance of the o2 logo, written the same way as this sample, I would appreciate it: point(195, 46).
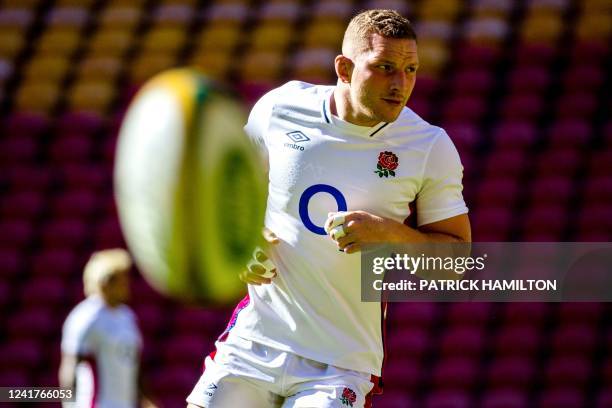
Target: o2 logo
point(305, 199)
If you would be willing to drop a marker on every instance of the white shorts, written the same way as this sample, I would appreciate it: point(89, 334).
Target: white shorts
point(246, 374)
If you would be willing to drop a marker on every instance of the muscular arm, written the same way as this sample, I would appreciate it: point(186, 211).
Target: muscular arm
point(454, 229)
point(361, 228)
point(67, 370)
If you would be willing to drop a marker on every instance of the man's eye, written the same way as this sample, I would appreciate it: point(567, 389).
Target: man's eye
point(411, 69)
point(385, 67)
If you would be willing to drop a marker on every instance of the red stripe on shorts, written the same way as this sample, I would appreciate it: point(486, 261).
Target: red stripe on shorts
point(232, 322)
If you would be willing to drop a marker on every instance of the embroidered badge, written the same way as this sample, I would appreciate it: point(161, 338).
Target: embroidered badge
point(387, 163)
point(348, 397)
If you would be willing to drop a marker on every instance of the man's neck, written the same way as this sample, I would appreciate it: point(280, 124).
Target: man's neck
point(340, 106)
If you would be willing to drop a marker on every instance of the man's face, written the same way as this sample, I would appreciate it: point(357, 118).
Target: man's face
point(382, 79)
point(116, 289)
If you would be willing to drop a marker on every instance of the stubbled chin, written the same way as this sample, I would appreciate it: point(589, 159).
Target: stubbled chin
point(391, 115)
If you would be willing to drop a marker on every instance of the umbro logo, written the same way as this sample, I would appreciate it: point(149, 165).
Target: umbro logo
point(297, 137)
point(210, 390)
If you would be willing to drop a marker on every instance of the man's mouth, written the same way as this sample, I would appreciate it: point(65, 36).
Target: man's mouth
point(393, 101)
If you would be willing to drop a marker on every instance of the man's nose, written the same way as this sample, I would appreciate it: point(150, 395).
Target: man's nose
point(399, 82)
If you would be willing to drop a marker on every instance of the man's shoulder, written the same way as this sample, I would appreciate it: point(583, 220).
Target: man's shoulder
point(302, 87)
point(409, 121)
point(86, 312)
point(408, 117)
point(295, 92)
point(128, 312)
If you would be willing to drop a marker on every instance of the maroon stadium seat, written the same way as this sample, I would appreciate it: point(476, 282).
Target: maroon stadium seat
point(184, 349)
point(86, 176)
point(514, 135)
point(464, 135)
point(47, 291)
point(566, 398)
point(71, 149)
point(595, 218)
point(571, 133)
point(583, 77)
point(33, 323)
point(82, 124)
point(598, 190)
point(587, 313)
point(566, 371)
point(55, 262)
point(463, 341)
point(470, 314)
point(522, 340)
point(604, 399)
point(407, 344)
point(108, 233)
point(506, 163)
point(447, 399)
point(151, 318)
point(492, 224)
point(417, 314)
point(65, 233)
point(498, 192)
point(529, 78)
point(550, 190)
point(16, 234)
point(18, 150)
point(515, 372)
point(78, 203)
point(477, 55)
point(392, 399)
point(577, 105)
point(464, 108)
point(522, 106)
point(403, 375)
point(472, 81)
point(560, 162)
point(575, 339)
point(21, 354)
point(25, 177)
point(527, 53)
point(458, 373)
point(27, 125)
point(504, 399)
point(22, 204)
point(11, 263)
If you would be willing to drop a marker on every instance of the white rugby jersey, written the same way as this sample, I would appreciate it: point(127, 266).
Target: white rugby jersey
point(109, 341)
point(318, 164)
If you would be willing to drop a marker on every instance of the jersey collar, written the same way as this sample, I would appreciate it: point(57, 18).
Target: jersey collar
point(365, 131)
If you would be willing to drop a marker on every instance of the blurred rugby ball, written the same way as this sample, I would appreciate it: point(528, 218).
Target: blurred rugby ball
point(189, 187)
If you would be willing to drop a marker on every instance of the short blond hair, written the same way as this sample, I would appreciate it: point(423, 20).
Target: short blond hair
point(388, 23)
point(102, 265)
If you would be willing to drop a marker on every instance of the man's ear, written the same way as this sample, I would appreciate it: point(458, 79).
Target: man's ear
point(344, 68)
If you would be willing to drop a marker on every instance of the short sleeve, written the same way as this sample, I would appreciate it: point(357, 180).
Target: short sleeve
point(258, 122)
point(441, 195)
point(77, 336)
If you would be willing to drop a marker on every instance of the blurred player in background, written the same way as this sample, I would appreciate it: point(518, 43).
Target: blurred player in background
point(101, 342)
point(302, 337)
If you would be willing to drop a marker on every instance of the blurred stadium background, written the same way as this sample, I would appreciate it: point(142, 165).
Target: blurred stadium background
point(522, 87)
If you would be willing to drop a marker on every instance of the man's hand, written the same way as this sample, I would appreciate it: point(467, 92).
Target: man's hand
point(260, 269)
point(351, 229)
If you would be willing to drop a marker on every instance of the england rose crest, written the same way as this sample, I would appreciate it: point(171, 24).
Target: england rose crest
point(348, 397)
point(387, 163)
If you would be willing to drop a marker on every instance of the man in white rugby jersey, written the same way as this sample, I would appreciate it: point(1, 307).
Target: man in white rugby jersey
point(348, 164)
point(101, 342)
